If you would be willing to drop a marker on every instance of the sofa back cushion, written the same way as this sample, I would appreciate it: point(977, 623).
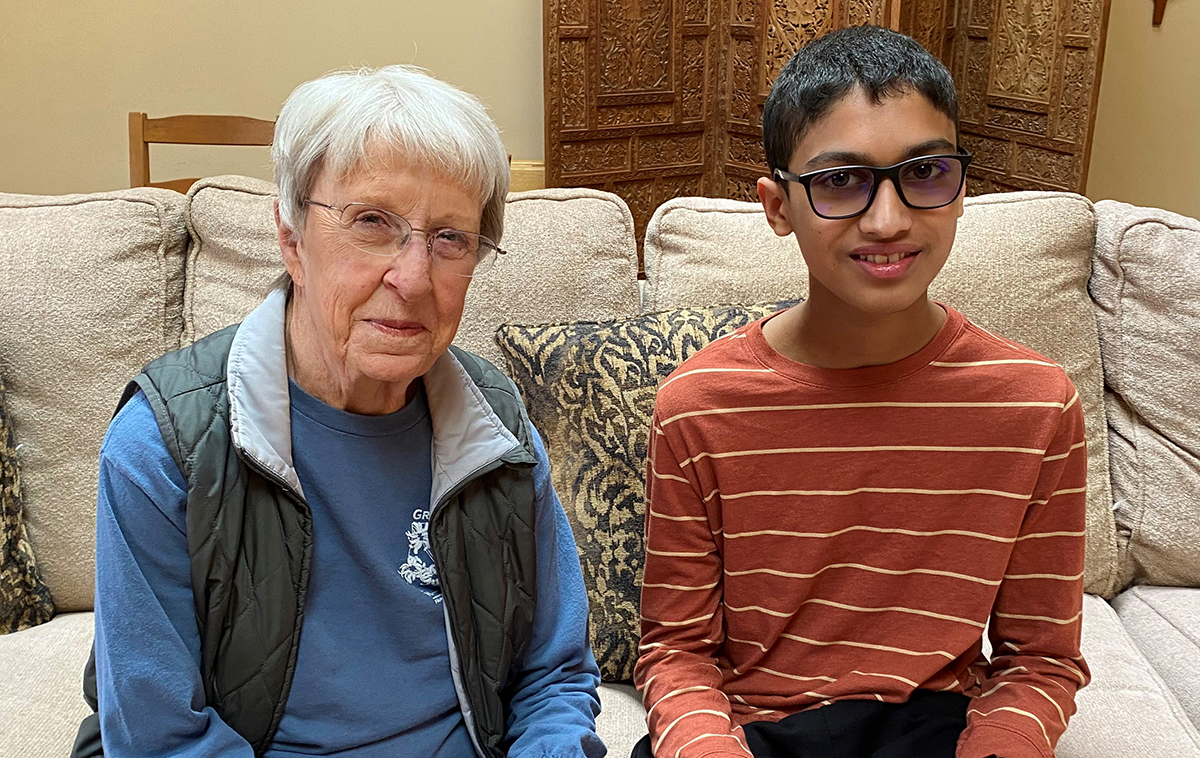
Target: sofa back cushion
point(233, 256)
point(1019, 267)
point(1146, 286)
point(570, 254)
point(90, 292)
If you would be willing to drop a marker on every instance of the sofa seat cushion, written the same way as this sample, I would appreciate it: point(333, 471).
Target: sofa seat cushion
point(41, 686)
point(1165, 624)
point(1126, 712)
point(1019, 267)
point(24, 598)
point(1146, 287)
point(622, 720)
point(90, 291)
point(590, 390)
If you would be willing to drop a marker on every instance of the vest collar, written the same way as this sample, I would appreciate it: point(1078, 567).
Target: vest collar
point(467, 434)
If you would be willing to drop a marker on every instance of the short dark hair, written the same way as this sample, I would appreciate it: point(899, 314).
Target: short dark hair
point(881, 62)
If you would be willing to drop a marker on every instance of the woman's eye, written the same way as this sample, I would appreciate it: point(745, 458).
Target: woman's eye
point(371, 219)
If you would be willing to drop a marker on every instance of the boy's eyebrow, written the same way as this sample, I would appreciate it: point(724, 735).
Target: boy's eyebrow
point(850, 158)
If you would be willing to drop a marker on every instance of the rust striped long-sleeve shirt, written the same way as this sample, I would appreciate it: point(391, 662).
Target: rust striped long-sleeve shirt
point(820, 535)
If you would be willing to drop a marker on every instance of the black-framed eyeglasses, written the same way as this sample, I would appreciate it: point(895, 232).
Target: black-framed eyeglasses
point(923, 183)
point(380, 232)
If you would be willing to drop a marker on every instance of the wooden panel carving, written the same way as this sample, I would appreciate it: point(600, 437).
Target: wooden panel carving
point(1028, 75)
point(653, 99)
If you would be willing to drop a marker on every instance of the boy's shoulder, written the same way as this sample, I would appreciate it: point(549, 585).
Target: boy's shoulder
point(712, 374)
point(980, 348)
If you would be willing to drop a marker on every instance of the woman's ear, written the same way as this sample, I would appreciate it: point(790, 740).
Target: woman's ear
point(289, 245)
point(774, 199)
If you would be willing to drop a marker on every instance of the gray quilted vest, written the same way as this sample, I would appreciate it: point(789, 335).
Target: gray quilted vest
point(250, 543)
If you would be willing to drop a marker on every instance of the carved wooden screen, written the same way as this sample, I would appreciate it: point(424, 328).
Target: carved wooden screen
point(654, 99)
point(1028, 75)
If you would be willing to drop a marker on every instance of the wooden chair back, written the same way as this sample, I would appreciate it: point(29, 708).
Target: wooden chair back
point(188, 130)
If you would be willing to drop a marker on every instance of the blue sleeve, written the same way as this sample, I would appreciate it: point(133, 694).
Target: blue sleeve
point(554, 704)
point(151, 698)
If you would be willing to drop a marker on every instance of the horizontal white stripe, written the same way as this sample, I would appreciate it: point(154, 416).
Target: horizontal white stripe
point(1075, 673)
point(1015, 710)
point(880, 530)
point(867, 646)
point(898, 678)
point(1046, 535)
point(686, 622)
point(1067, 454)
point(1047, 619)
point(674, 693)
point(717, 371)
point(1074, 399)
point(667, 554)
point(1061, 717)
point(858, 609)
point(665, 517)
point(669, 477)
point(709, 734)
point(1061, 577)
point(794, 677)
point(842, 406)
point(862, 449)
point(864, 567)
point(758, 645)
point(1006, 361)
point(1056, 493)
point(873, 490)
point(680, 587)
point(671, 726)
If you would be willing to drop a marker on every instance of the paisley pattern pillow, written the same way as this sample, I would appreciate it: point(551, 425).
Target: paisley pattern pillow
point(590, 388)
point(24, 598)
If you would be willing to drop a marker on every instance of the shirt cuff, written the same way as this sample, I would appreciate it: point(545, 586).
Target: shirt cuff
point(984, 740)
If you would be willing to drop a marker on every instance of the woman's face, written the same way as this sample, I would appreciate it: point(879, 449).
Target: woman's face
point(373, 319)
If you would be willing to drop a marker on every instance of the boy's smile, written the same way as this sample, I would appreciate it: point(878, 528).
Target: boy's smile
point(882, 261)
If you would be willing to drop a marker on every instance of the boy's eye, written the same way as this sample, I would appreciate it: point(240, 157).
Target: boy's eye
point(840, 180)
point(926, 170)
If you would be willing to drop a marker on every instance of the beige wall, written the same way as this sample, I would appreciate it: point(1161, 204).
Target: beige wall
point(70, 72)
point(1146, 148)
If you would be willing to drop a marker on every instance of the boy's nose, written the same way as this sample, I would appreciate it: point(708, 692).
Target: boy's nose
point(888, 216)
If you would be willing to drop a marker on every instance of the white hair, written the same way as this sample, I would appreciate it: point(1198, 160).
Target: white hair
point(343, 119)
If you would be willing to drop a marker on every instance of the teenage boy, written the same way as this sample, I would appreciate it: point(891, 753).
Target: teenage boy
point(842, 496)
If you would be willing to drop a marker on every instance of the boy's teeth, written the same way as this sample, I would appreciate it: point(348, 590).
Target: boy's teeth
point(885, 258)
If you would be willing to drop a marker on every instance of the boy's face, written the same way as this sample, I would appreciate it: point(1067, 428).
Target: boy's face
point(858, 132)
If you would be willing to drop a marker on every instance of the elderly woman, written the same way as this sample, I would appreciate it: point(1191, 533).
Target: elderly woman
point(325, 531)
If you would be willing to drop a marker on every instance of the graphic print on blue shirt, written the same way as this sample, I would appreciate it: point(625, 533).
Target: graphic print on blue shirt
point(419, 570)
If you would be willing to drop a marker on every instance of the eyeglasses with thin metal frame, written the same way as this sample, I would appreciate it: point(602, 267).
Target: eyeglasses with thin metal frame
point(380, 232)
point(848, 191)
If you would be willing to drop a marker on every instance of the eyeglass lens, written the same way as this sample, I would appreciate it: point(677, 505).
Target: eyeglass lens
point(378, 232)
point(924, 183)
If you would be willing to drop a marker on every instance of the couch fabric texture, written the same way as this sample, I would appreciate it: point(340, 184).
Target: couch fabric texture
point(1147, 291)
point(701, 250)
point(590, 388)
point(91, 291)
point(24, 598)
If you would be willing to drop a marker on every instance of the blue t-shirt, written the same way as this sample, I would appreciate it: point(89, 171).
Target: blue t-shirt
point(372, 673)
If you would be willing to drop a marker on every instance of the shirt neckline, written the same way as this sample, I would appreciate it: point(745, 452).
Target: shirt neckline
point(854, 377)
point(357, 424)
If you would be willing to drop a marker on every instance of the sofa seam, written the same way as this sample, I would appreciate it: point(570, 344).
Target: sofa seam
point(1135, 592)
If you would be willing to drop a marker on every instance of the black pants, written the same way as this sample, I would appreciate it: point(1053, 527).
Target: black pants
point(927, 726)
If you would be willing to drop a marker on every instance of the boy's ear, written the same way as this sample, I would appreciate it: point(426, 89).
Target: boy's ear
point(775, 203)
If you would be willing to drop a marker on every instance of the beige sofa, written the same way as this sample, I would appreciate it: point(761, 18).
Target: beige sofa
point(94, 286)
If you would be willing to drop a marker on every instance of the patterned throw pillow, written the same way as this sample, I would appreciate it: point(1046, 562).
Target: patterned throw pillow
point(24, 598)
point(590, 391)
